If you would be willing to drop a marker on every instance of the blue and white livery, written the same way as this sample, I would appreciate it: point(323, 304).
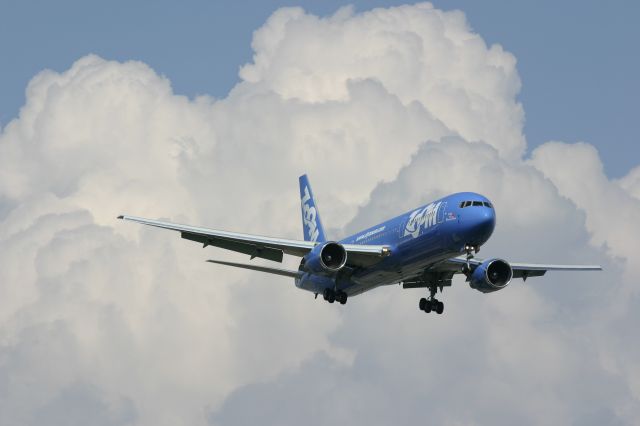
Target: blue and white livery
point(425, 248)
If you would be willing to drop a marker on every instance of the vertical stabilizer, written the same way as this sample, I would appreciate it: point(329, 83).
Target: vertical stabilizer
point(311, 224)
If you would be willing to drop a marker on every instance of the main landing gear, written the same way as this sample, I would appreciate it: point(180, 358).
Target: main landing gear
point(331, 295)
point(431, 304)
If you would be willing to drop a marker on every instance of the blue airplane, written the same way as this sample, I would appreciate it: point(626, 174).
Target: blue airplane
point(424, 248)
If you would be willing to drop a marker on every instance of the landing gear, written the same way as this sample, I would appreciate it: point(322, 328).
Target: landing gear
point(431, 304)
point(470, 250)
point(466, 268)
point(331, 296)
point(428, 305)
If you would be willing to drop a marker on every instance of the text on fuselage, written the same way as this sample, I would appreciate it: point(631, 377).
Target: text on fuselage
point(422, 218)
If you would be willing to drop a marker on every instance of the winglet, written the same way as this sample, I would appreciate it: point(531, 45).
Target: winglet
point(121, 217)
point(311, 223)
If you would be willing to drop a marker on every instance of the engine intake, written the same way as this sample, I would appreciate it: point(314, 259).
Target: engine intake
point(491, 275)
point(325, 258)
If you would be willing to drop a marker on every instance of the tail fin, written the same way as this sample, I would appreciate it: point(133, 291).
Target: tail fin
point(311, 224)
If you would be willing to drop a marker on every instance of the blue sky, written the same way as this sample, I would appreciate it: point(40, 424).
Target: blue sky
point(578, 61)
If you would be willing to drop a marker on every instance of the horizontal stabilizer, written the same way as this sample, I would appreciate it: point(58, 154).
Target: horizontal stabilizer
point(276, 271)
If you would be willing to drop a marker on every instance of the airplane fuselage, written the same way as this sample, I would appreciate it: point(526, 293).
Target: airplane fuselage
point(417, 239)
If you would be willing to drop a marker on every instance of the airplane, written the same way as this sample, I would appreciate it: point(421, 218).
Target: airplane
point(423, 248)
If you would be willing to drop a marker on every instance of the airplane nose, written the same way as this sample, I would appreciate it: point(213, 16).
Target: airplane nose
point(480, 226)
point(486, 223)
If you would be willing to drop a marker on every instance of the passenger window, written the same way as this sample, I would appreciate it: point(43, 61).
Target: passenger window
point(477, 203)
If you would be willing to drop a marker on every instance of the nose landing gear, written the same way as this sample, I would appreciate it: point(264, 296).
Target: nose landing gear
point(470, 250)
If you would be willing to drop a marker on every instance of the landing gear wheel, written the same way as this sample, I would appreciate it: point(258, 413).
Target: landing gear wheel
point(431, 304)
point(425, 305)
point(329, 295)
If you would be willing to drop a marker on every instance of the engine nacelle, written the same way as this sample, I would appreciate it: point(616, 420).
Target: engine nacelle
point(491, 275)
point(326, 258)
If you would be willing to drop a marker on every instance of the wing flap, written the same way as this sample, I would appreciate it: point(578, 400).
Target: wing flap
point(250, 249)
point(526, 273)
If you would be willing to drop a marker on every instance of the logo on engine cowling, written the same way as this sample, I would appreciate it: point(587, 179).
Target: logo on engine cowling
point(309, 216)
point(422, 218)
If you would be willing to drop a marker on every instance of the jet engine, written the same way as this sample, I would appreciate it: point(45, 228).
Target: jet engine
point(491, 275)
point(326, 258)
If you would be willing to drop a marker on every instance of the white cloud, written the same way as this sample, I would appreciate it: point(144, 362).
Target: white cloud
point(385, 110)
point(631, 182)
point(417, 53)
point(610, 211)
point(475, 363)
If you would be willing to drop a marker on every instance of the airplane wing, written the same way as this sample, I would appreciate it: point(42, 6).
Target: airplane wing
point(520, 270)
point(276, 271)
point(442, 273)
point(264, 247)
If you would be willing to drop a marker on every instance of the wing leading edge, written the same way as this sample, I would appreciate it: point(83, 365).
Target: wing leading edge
point(260, 246)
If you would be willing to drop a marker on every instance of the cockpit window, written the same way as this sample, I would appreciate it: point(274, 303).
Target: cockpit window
point(464, 204)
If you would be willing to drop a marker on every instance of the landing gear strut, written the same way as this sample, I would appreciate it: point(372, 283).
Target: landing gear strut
point(331, 295)
point(470, 250)
point(431, 304)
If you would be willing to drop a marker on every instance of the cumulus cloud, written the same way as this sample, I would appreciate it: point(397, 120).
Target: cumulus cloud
point(548, 339)
point(631, 182)
point(417, 53)
point(104, 322)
